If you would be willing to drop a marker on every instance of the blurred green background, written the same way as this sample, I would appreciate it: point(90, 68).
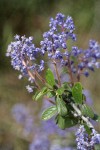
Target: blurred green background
point(31, 18)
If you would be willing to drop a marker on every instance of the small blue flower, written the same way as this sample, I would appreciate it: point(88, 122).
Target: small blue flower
point(97, 64)
point(84, 142)
point(86, 73)
point(96, 139)
point(29, 88)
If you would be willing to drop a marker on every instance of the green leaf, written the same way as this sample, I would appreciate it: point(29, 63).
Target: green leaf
point(66, 86)
point(61, 122)
point(61, 106)
point(50, 77)
point(70, 121)
point(39, 94)
point(66, 122)
point(34, 96)
point(77, 93)
point(96, 118)
point(48, 113)
point(60, 91)
point(87, 111)
point(83, 97)
point(56, 81)
point(56, 119)
point(50, 94)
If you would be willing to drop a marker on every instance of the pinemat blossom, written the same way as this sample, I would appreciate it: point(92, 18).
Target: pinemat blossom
point(84, 142)
point(30, 61)
point(24, 54)
point(55, 45)
point(29, 88)
point(61, 29)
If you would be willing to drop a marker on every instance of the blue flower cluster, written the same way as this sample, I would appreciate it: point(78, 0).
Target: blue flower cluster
point(55, 45)
point(95, 138)
point(22, 116)
point(24, 54)
point(88, 59)
point(61, 29)
point(24, 58)
point(84, 142)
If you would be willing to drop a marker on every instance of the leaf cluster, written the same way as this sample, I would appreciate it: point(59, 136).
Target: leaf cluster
point(65, 95)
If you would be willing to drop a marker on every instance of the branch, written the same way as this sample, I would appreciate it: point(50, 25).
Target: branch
point(83, 117)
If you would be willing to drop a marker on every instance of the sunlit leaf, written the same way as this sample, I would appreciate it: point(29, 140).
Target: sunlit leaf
point(87, 111)
point(39, 94)
point(61, 122)
point(66, 86)
point(60, 91)
point(66, 122)
point(50, 94)
point(77, 93)
point(61, 106)
point(49, 112)
point(96, 118)
point(50, 77)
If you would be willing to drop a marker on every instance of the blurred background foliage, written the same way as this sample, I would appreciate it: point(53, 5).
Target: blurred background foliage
point(31, 18)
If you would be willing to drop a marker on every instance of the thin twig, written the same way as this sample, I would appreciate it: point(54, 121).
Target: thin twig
point(39, 77)
point(42, 80)
point(70, 72)
point(49, 100)
point(31, 75)
point(57, 73)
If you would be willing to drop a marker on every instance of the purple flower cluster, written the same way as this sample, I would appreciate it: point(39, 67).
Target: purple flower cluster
point(22, 116)
point(87, 59)
point(61, 29)
point(95, 138)
point(84, 142)
point(23, 55)
point(55, 45)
